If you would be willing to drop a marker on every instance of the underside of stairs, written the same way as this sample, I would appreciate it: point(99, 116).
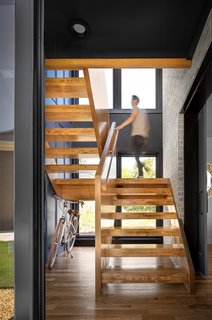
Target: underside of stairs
point(77, 133)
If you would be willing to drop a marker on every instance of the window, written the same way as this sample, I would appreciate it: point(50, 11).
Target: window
point(141, 82)
point(87, 213)
point(129, 170)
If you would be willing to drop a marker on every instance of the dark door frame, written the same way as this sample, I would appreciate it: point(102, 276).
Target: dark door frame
point(29, 160)
point(197, 97)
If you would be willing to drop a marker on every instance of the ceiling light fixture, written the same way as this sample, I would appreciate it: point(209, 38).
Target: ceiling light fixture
point(78, 28)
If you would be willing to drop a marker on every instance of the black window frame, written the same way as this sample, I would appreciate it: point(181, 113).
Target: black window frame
point(118, 223)
point(117, 101)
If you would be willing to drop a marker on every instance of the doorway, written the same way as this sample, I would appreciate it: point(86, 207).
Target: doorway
point(197, 154)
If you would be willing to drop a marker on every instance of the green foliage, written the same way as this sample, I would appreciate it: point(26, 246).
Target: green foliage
point(150, 173)
point(6, 264)
point(87, 217)
point(139, 208)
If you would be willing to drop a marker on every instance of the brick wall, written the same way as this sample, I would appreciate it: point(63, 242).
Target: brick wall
point(176, 85)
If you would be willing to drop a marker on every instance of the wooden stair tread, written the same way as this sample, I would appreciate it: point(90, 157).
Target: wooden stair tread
point(68, 113)
point(138, 215)
point(140, 231)
point(70, 134)
point(137, 190)
point(132, 201)
point(75, 189)
point(71, 152)
point(65, 88)
point(142, 250)
point(144, 275)
point(70, 167)
point(75, 182)
point(138, 181)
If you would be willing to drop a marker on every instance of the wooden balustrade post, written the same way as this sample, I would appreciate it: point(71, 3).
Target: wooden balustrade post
point(98, 234)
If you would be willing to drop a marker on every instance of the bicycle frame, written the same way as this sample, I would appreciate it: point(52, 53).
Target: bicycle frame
point(66, 230)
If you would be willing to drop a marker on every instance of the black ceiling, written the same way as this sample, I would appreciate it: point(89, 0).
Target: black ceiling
point(125, 29)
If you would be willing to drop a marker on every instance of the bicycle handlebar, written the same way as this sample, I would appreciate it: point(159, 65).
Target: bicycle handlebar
point(67, 200)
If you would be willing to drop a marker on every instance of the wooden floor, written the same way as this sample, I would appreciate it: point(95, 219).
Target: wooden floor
point(70, 295)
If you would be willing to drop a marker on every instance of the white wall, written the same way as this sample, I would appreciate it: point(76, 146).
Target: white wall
point(176, 86)
point(7, 56)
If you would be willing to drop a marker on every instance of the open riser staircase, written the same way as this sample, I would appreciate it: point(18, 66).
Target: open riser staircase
point(77, 132)
point(118, 262)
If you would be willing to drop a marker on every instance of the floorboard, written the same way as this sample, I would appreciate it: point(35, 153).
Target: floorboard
point(70, 295)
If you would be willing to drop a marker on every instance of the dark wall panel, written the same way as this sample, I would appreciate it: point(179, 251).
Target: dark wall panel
point(155, 139)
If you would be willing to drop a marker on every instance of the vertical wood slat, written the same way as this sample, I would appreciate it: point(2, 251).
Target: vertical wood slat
point(98, 270)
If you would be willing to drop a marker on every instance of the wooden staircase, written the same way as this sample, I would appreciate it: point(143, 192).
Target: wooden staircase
point(86, 128)
point(166, 262)
point(168, 259)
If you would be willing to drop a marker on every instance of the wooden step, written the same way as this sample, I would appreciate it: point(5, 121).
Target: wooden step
point(75, 182)
point(75, 189)
point(70, 134)
point(145, 275)
point(70, 167)
point(140, 231)
point(138, 181)
point(137, 190)
point(65, 88)
point(142, 250)
point(138, 215)
point(71, 153)
point(68, 113)
point(132, 201)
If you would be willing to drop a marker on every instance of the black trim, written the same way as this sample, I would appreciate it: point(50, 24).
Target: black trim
point(137, 240)
point(85, 241)
point(117, 92)
point(29, 175)
point(38, 164)
point(197, 96)
point(201, 87)
point(158, 93)
point(116, 88)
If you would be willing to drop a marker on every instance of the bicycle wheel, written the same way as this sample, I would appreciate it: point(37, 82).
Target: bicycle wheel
point(72, 233)
point(57, 239)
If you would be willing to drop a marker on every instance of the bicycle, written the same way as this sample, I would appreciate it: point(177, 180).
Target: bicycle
point(66, 230)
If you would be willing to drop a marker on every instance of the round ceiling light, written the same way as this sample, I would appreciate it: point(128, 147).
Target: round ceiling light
point(78, 28)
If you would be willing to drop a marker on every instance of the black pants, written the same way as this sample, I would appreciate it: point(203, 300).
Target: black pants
point(139, 144)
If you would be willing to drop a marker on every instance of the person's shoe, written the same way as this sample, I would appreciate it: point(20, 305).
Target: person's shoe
point(140, 177)
point(147, 169)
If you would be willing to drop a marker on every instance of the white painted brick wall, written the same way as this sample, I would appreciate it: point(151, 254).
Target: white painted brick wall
point(176, 86)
